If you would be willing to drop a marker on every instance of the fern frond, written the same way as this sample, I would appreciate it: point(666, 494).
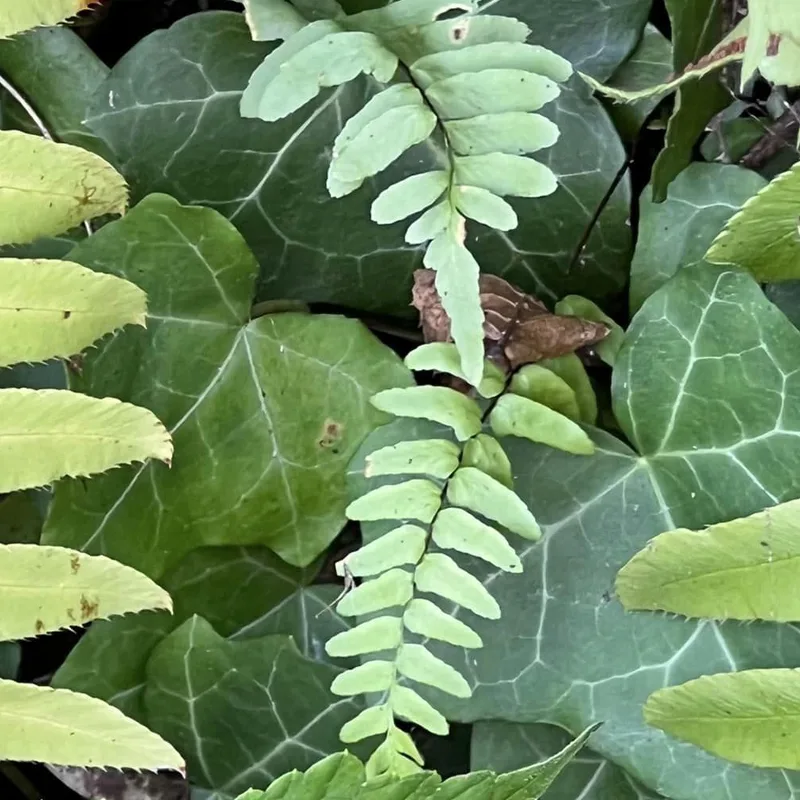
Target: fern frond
point(469, 81)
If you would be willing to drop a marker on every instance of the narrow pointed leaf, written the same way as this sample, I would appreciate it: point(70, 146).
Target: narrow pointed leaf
point(456, 529)
point(52, 309)
point(543, 386)
point(44, 588)
point(743, 569)
point(443, 357)
point(515, 415)
point(470, 488)
point(435, 457)
point(440, 575)
point(383, 633)
point(417, 663)
point(370, 722)
point(56, 726)
point(415, 499)
point(408, 705)
point(426, 619)
point(435, 403)
point(512, 132)
point(751, 717)
point(409, 196)
point(374, 676)
point(48, 188)
point(486, 208)
point(48, 434)
point(403, 545)
point(506, 175)
point(393, 588)
point(485, 453)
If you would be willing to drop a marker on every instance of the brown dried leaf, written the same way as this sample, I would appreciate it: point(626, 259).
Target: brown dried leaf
point(518, 328)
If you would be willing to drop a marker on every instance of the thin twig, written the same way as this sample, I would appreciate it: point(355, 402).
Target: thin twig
point(37, 121)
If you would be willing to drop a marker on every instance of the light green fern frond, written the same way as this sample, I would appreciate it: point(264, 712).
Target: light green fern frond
point(463, 81)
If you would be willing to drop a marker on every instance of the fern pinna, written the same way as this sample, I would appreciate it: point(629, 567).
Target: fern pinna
point(464, 82)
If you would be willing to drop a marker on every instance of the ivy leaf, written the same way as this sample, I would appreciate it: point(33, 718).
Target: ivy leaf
point(255, 465)
point(246, 170)
point(677, 232)
point(10, 655)
point(278, 702)
point(704, 387)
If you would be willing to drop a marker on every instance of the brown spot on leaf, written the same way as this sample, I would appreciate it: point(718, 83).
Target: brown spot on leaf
point(39, 626)
point(89, 609)
point(71, 614)
point(67, 314)
point(518, 328)
point(75, 563)
point(459, 31)
point(331, 433)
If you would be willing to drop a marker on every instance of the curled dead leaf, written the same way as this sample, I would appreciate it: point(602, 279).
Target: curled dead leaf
point(518, 328)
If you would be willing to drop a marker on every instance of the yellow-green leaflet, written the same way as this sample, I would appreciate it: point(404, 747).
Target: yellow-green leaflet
point(408, 705)
point(403, 545)
point(57, 726)
point(416, 499)
point(22, 15)
point(440, 575)
point(485, 207)
point(409, 196)
point(752, 717)
point(435, 457)
point(393, 588)
point(443, 357)
point(517, 416)
point(570, 369)
point(506, 175)
point(372, 636)
point(543, 386)
point(485, 453)
point(435, 403)
point(417, 663)
point(456, 529)
point(427, 619)
point(574, 305)
point(374, 676)
point(48, 434)
point(48, 188)
point(470, 488)
point(743, 569)
point(763, 237)
point(56, 308)
point(43, 589)
point(370, 722)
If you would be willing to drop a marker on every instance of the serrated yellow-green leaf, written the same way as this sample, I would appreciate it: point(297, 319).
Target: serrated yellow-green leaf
point(370, 722)
point(408, 13)
point(457, 274)
point(492, 55)
point(54, 309)
point(374, 676)
point(435, 403)
point(43, 589)
point(431, 223)
point(372, 636)
point(513, 132)
point(269, 20)
point(415, 499)
point(408, 705)
point(456, 529)
point(743, 569)
point(485, 207)
point(17, 16)
point(475, 490)
point(48, 434)
point(417, 663)
point(47, 188)
point(485, 453)
point(426, 619)
point(543, 386)
point(763, 237)
point(393, 588)
point(443, 357)
point(57, 726)
point(409, 196)
point(515, 415)
point(752, 717)
point(570, 369)
point(403, 545)
point(435, 457)
point(491, 91)
point(506, 175)
point(440, 575)
point(574, 305)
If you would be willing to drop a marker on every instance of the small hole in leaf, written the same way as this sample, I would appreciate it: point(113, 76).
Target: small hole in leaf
point(451, 11)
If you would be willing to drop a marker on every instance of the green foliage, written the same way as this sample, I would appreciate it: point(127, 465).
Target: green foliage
point(471, 78)
point(16, 17)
